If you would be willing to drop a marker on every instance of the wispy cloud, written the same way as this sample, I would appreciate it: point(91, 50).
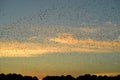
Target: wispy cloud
point(23, 49)
point(64, 43)
point(109, 23)
point(89, 29)
point(87, 44)
point(33, 38)
point(64, 38)
point(118, 39)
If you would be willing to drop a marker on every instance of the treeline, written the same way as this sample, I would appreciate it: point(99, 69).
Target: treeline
point(68, 77)
point(16, 77)
point(84, 77)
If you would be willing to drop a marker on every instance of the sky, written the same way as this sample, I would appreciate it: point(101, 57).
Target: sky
point(60, 37)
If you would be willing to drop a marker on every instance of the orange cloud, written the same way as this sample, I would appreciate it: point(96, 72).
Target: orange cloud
point(64, 38)
point(62, 43)
point(23, 49)
point(87, 44)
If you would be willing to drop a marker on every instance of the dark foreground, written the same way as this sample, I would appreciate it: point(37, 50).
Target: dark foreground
point(68, 77)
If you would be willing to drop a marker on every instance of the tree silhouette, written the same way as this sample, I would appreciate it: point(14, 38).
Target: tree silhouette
point(68, 77)
point(83, 77)
point(16, 77)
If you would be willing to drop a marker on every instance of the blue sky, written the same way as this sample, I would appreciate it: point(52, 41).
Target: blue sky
point(81, 33)
point(37, 14)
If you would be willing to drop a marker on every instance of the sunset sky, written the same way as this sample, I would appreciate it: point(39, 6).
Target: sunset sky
point(60, 37)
